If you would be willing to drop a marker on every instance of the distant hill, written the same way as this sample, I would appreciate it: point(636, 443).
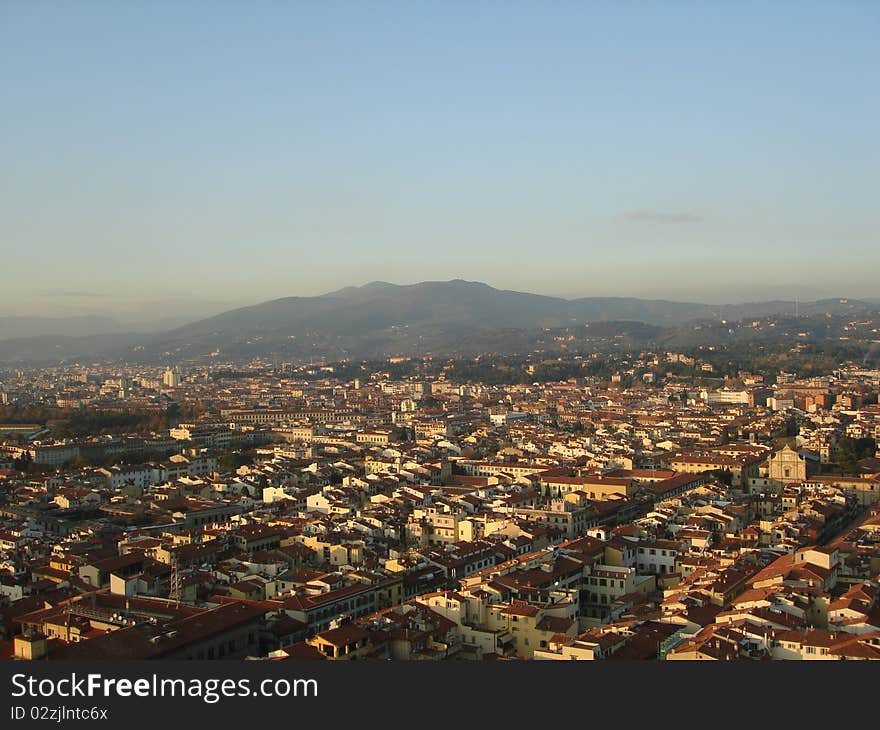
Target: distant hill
point(380, 317)
point(464, 305)
point(432, 317)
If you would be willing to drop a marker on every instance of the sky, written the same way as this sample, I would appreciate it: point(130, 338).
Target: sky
point(174, 159)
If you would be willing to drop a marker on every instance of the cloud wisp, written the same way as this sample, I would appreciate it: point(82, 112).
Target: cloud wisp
point(662, 216)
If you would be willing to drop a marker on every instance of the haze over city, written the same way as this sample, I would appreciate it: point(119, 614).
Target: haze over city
point(168, 161)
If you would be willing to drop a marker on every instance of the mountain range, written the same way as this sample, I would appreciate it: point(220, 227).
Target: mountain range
point(380, 318)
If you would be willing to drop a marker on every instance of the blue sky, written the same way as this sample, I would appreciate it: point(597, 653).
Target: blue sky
point(186, 156)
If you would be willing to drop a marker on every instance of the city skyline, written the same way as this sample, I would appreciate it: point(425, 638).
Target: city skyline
point(164, 161)
point(587, 500)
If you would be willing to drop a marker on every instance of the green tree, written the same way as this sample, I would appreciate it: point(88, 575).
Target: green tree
point(850, 450)
point(232, 460)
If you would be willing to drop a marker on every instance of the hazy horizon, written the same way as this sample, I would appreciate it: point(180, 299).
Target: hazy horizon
point(159, 316)
point(169, 161)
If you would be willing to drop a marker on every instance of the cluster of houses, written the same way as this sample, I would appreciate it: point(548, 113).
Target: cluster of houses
point(560, 521)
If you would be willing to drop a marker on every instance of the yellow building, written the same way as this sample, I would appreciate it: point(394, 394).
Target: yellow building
point(346, 642)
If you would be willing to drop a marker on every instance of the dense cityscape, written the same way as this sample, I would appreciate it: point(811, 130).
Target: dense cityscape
point(338, 336)
point(635, 505)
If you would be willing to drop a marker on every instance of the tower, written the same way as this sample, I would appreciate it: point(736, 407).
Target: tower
point(174, 593)
point(171, 378)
